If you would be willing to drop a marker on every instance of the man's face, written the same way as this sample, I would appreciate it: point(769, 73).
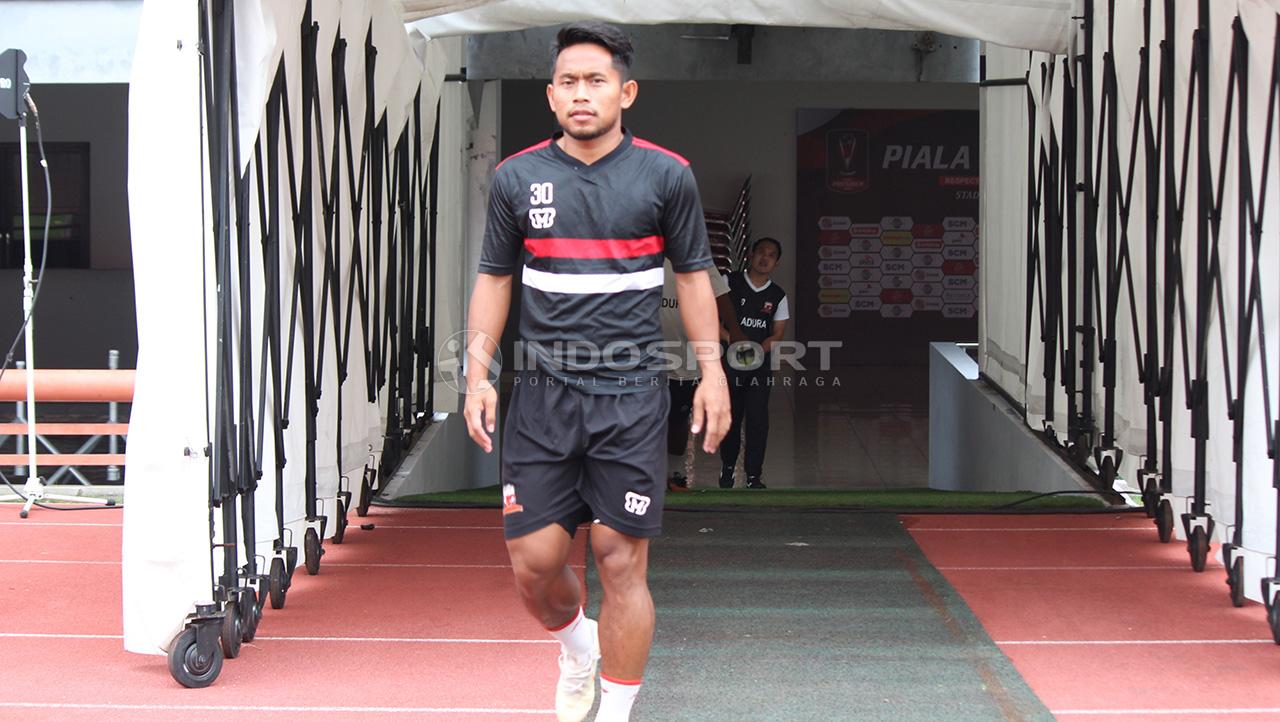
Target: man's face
point(764, 258)
point(587, 93)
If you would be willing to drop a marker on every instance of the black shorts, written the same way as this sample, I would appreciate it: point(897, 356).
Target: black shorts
point(569, 457)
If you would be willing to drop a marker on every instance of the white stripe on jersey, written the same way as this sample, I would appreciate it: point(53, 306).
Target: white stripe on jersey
point(585, 283)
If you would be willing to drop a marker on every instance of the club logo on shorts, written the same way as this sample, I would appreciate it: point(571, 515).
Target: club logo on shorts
point(636, 503)
point(509, 505)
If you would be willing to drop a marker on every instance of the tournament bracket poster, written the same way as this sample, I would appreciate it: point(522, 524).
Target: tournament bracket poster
point(886, 231)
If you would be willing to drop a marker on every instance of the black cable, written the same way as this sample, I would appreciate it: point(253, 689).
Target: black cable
point(44, 256)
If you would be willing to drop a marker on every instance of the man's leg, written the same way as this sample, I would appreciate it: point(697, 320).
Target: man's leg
point(681, 393)
point(732, 441)
point(626, 618)
point(756, 410)
point(547, 585)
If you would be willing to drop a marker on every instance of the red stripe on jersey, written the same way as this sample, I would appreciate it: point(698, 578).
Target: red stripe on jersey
point(594, 247)
point(640, 143)
point(530, 149)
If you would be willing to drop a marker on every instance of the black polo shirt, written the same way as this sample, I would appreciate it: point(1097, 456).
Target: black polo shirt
point(589, 241)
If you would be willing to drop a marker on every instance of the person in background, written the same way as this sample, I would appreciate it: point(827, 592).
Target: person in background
point(760, 306)
point(682, 380)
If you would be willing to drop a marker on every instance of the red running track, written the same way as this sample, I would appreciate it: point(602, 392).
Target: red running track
point(415, 619)
point(1106, 623)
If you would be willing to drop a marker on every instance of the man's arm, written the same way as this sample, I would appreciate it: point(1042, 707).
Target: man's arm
point(487, 316)
point(729, 319)
point(711, 400)
point(779, 327)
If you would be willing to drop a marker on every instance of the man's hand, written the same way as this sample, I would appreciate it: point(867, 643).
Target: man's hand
point(481, 413)
point(711, 410)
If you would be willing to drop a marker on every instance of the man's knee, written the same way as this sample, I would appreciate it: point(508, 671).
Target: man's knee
point(621, 560)
point(538, 559)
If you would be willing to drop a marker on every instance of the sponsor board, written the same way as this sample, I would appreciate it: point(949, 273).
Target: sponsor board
point(932, 245)
point(829, 310)
point(834, 281)
point(895, 282)
point(928, 260)
point(896, 223)
point(833, 238)
point(959, 238)
point(865, 304)
point(960, 297)
point(959, 253)
point(834, 252)
point(834, 295)
point(866, 260)
point(866, 275)
point(959, 268)
point(927, 275)
point(896, 253)
point(866, 289)
point(833, 268)
point(953, 283)
point(958, 223)
point(896, 268)
point(932, 304)
point(834, 223)
point(896, 310)
point(926, 289)
point(959, 311)
point(895, 296)
point(865, 245)
point(865, 230)
point(896, 238)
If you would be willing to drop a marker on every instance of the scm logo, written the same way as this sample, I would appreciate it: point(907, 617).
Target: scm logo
point(636, 503)
point(542, 218)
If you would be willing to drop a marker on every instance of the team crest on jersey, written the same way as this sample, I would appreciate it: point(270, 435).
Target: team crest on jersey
point(509, 505)
point(635, 503)
point(768, 307)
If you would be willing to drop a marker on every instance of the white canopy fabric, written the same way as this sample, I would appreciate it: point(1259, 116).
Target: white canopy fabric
point(1034, 24)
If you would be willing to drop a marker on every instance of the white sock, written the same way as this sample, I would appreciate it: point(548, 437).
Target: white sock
point(675, 465)
point(575, 636)
point(616, 698)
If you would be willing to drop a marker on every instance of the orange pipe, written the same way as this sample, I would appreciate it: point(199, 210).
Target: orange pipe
point(58, 428)
point(88, 385)
point(64, 459)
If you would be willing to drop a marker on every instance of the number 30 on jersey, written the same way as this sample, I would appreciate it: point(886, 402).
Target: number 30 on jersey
point(541, 194)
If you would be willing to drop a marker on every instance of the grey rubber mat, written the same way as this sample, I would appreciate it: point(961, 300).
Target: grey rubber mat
point(814, 616)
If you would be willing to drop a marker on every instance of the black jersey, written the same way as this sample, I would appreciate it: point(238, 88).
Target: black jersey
point(755, 309)
point(589, 241)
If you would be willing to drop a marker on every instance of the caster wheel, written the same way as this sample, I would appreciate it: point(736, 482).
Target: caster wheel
point(250, 615)
point(290, 563)
point(312, 551)
point(277, 585)
point(1164, 521)
point(1235, 580)
point(189, 667)
point(340, 529)
point(1273, 618)
point(232, 631)
point(1198, 548)
point(366, 493)
point(1150, 498)
point(1108, 472)
point(22, 514)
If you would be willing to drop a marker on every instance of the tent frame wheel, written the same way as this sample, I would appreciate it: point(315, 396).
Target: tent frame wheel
point(1199, 530)
point(366, 490)
point(1269, 589)
point(195, 657)
point(340, 528)
point(278, 581)
point(1164, 520)
point(1108, 461)
point(1235, 573)
point(250, 612)
point(312, 551)
point(231, 631)
point(1078, 449)
point(1149, 482)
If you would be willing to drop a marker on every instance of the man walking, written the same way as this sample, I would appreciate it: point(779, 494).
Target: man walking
point(587, 217)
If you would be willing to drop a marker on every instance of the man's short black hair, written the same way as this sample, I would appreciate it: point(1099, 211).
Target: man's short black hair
point(766, 239)
point(605, 35)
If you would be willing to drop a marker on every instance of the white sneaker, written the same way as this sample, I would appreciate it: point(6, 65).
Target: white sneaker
point(576, 690)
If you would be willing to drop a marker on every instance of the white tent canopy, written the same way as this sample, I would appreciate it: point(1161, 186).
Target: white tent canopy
point(1034, 24)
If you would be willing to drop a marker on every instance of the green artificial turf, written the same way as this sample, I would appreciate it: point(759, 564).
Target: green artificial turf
point(885, 499)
